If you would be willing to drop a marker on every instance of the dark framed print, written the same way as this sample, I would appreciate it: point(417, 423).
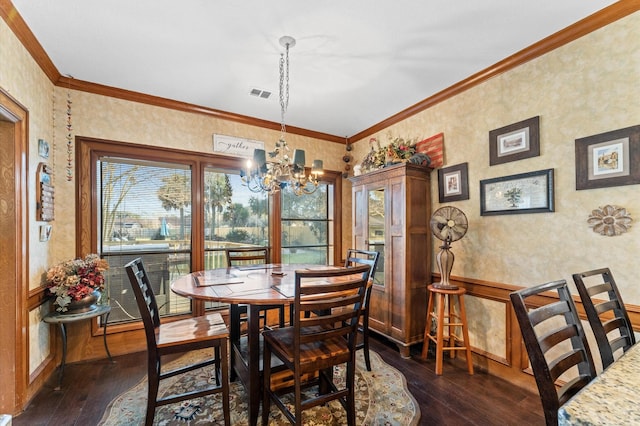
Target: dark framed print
point(515, 141)
point(608, 159)
point(523, 193)
point(453, 183)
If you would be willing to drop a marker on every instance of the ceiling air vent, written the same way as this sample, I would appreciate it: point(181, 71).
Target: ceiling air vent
point(260, 93)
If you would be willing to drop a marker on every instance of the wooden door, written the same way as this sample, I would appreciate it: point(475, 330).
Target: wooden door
point(13, 285)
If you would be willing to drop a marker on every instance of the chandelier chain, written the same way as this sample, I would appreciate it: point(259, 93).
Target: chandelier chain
point(284, 89)
point(280, 171)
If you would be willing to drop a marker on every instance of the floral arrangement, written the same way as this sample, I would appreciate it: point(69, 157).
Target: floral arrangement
point(75, 279)
point(397, 150)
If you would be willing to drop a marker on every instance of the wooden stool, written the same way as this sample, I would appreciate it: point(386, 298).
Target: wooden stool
point(447, 297)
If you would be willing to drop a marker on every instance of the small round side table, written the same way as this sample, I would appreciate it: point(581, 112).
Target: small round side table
point(62, 319)
point(447, 297)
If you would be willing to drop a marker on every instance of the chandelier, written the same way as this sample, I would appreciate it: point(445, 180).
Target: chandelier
point(280, 172)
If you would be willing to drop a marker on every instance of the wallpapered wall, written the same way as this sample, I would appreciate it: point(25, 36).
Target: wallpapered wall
point(587, 87)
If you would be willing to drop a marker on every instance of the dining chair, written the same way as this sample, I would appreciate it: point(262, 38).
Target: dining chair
point(556, 344)
point(359, 257)
point(178, 337)
point(313, 345)
point(606, 313)
point(247, 256)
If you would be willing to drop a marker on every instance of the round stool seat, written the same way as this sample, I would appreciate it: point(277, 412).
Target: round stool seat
point(441, 298)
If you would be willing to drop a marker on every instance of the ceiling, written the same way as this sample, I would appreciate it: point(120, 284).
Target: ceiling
point(355, 63)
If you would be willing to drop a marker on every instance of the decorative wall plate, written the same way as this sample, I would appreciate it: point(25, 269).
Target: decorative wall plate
point(610, 220)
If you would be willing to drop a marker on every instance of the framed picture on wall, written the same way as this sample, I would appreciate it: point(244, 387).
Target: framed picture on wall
point(453, 183)
point(515, 141)
point(530, 192)
point(608, 159)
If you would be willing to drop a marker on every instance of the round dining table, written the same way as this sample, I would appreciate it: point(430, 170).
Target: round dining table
point(252, 285)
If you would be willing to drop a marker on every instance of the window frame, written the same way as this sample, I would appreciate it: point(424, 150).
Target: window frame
point(90, 150)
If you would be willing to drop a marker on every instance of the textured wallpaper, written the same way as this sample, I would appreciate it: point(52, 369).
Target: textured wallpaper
point(587, 87)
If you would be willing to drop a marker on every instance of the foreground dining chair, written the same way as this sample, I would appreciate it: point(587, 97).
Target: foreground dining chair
point(364, 257)
point(606, 313)
point(178, 337)
point(247, 256)
point(317, 343)
point(556, 344)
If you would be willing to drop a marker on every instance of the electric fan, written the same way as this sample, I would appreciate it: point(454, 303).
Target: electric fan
point(448, 224)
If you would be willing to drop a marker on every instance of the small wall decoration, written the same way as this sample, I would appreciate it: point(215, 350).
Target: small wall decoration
point(43, 148)
point(346, 158)
point(45, 232)
point(515, 141)
point(239, 147)
point(434, 148)
point(523, 193)
point(609, 220)
point(69, 139)
point(608, 159)
point(453, 183)
point(44, 193)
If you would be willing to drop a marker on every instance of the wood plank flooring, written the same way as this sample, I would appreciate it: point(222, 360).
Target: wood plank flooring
point(455, 398)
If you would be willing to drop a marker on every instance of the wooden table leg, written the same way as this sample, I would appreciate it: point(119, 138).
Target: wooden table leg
point(254, 388)
point(234, 322)
point(63, 335)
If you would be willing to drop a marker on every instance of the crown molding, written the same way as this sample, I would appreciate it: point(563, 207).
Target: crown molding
point(583, 27)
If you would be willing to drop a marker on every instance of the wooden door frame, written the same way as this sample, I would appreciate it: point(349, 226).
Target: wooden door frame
point(14, 286)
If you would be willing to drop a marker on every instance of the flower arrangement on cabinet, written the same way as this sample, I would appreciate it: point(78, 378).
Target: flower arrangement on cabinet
point(397, 150)
point(75, 279)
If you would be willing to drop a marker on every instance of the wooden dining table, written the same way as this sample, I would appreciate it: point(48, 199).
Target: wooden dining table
point(252, 285)
point(612, 398)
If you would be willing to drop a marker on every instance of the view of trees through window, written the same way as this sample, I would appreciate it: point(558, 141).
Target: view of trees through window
point(146, 210)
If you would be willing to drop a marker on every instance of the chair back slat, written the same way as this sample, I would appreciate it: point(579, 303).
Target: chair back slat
point(336, 301)
point(145, 298)
point(556, 344)
point(247, 256)
point(606, 313)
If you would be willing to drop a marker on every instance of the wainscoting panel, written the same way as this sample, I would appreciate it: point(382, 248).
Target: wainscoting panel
point(495, 335)
point(487, 321)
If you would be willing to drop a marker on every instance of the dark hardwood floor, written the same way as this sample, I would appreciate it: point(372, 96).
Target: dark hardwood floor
point(455, 398)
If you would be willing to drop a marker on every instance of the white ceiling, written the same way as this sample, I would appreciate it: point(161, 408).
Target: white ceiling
point(356, 62)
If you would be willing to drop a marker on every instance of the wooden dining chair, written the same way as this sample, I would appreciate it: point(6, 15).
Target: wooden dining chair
point(364, 257)
point(317, 343)
point(247, 256)
point(606, 313)
point(178, 337)
point(556, 344)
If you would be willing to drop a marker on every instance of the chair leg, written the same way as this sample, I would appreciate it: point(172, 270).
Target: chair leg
point(298, 399)
point(217, 371)
point(266, 386)
point(440, 334)
point(281, 312)
point(223, 357)
point(351, 397)
point(153, 382)
point(365, 340)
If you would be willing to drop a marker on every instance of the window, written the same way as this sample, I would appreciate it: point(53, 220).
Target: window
point(178, 210)
point(307, 224)
point(144, 211)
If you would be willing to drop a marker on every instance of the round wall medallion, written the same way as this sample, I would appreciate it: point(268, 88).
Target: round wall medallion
point(610, 220)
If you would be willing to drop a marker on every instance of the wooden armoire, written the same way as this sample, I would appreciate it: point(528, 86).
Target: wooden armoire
point(391, 213)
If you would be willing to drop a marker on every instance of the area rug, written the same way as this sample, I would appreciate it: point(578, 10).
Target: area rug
point(382, 398)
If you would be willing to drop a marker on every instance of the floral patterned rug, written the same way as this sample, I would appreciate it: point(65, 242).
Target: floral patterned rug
point(381, 399)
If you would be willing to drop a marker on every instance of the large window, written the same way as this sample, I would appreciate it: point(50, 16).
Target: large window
point(144, 211)
point(180, 210)
point(307, 224)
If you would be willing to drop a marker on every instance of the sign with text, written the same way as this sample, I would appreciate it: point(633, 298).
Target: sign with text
point(239, 147)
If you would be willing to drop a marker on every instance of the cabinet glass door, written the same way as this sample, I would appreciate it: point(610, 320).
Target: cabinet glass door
point(376, 231)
